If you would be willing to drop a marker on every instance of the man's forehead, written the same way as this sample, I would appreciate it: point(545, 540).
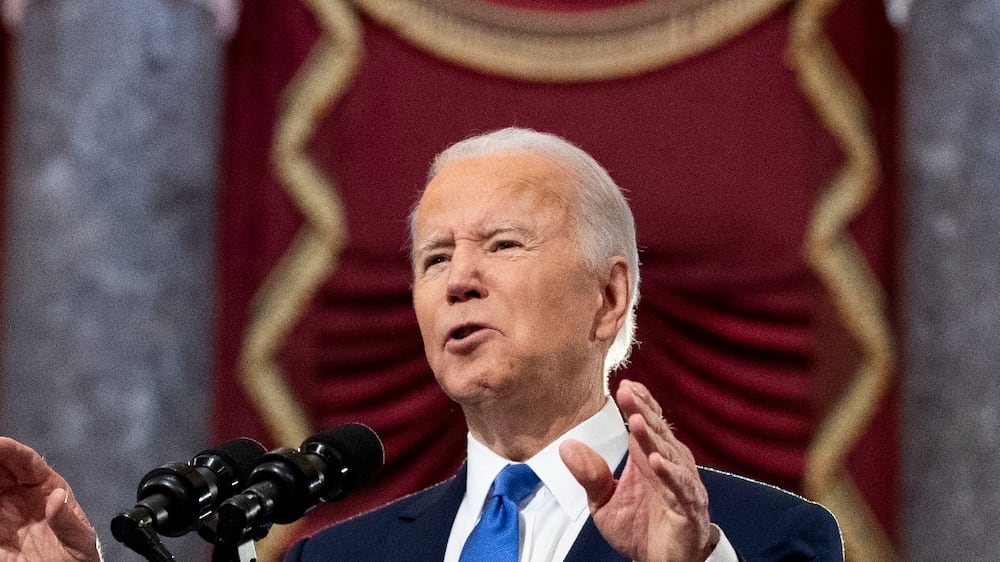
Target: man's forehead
point(482, 195)
point(504, 174)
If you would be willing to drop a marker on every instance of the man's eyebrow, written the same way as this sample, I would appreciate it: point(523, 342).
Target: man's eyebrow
point(437, 242)
point(431, 244)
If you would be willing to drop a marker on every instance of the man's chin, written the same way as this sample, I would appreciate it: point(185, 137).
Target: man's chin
point(470, 391)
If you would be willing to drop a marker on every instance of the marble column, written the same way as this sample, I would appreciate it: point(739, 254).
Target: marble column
point(951, 408)
point(108, 288)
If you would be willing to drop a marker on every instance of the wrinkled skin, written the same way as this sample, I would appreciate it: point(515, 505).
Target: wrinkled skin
point(658, 510)
point(40, 519)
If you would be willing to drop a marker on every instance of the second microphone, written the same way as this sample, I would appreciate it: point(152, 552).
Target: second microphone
point(286, 483)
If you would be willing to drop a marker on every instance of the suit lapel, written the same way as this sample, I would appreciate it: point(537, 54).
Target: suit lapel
point(590, 546)
point(427, 521)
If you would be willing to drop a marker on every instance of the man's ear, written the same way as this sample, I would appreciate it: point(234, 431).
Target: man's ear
point(615, 295)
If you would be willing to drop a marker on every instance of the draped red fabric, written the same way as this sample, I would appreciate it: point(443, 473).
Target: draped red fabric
point(722, 158)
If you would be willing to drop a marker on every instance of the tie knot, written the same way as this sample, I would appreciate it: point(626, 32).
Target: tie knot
point(515, 482)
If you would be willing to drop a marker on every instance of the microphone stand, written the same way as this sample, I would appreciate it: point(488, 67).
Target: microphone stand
point(243, 552)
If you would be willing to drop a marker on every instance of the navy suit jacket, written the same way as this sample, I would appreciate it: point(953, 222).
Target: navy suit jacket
point(762, 522)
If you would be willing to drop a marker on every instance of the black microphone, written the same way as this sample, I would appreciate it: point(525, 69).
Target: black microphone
point(174, 498)
point(286, 483)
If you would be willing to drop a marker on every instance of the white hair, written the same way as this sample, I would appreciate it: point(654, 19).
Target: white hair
point(606, 227)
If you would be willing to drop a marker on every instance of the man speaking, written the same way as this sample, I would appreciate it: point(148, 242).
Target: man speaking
point(525, 283)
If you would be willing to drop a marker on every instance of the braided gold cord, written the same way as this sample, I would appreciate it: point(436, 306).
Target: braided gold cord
point(840, 265)
point(566, 47)
point(311, 258)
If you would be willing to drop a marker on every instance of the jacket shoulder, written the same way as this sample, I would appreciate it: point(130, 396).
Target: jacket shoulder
point(765, 522)
point(395, 531)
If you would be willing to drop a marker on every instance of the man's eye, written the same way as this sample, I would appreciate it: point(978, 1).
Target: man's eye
point(505, 245)
point(434, 259)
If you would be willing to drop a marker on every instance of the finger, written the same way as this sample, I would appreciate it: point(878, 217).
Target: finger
point(634, 399)
point(663, 442)
point(647, 427)
point(687, 497)
point(590, 470)
point(684, 484)
point(644, 448)
point(21, 465)
point(637, 397)
point(55, 503)
point(70, 525)
point(661, 436)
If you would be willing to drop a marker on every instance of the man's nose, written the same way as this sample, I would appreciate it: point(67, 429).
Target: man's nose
point(465, 278)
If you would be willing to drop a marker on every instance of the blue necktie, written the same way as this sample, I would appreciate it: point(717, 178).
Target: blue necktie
point(496, 537)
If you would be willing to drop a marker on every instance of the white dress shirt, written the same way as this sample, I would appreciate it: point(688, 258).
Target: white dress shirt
point(552, 518)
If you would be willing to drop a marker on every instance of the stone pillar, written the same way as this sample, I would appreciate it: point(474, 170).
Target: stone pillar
point(951, 406)
point(108, 288)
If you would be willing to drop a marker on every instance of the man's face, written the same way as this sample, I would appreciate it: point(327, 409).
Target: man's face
point(504, 302)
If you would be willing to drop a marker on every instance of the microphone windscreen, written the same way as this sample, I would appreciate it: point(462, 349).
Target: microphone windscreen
point(241, 455)
point(360, 450)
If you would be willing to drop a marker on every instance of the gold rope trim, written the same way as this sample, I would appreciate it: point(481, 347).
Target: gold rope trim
point(567, 47)
point(312, 257)
point(841, 267)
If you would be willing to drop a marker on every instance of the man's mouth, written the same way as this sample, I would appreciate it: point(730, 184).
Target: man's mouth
point(463, 331)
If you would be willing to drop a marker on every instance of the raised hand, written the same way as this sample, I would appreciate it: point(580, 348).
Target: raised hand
point(658, 510)
point(39, 516)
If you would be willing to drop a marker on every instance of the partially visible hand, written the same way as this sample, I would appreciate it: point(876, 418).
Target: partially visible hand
point(658, 510)
point(40, 519)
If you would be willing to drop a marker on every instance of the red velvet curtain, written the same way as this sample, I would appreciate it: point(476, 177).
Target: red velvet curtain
point(722, 157)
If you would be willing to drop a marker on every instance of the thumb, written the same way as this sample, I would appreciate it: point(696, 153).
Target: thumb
point(590, 470)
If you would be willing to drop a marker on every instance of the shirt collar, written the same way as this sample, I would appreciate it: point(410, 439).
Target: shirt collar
point(605, 432)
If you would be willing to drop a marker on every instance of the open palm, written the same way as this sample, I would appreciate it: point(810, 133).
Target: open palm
point(40, 518)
